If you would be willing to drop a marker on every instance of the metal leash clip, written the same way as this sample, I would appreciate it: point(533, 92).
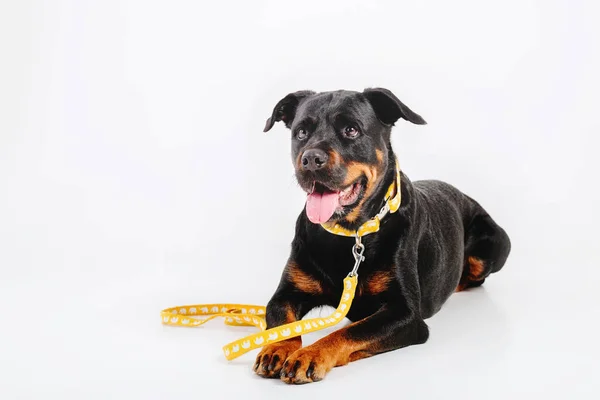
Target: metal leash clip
point(357, 251)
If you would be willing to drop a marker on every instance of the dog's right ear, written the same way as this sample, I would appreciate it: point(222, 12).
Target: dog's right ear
point(285, 110)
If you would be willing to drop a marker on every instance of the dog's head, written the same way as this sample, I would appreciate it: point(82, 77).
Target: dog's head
point(340, 147)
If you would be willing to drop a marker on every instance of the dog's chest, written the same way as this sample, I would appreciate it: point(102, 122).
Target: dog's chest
point(373, 291)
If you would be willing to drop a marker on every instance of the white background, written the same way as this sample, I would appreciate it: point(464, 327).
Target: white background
point(134, 175)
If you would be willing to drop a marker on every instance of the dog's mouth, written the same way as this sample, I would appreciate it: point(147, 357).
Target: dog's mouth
point(322, 202)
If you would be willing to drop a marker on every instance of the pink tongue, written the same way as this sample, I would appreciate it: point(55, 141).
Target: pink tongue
point(320, 207)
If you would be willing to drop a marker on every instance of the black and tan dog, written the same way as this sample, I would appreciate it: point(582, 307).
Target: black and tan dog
point(439, 241)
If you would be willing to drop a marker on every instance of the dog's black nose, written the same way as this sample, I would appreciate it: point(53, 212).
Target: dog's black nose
point(314, 159)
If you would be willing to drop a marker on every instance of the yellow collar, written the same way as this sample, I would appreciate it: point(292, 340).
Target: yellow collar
point(371, 226)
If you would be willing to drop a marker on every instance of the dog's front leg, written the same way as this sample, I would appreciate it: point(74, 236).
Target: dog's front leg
point(269, 361)
point(288, 304)
point(386, 330)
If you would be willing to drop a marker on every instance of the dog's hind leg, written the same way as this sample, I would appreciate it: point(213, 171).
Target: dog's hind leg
point(486, 249)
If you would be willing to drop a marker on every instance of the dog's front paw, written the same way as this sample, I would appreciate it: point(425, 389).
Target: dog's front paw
point(310, 364)
point(271, 358)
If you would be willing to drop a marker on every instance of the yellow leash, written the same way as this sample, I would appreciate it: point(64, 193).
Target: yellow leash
point(253, 315)
point(234, 315)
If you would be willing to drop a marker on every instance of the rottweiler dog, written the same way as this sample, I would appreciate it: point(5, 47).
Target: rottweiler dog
point(438, 242)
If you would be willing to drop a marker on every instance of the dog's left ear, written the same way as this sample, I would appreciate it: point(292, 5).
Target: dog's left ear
point(285, 110)
point(389, 108)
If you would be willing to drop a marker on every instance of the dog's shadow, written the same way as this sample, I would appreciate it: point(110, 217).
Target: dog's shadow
point(472, 321)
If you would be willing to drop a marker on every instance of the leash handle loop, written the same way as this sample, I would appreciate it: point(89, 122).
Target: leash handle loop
point(234, 314)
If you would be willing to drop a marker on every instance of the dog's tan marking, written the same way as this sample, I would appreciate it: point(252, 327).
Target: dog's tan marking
point(378, 282)
point(334, 158)
point(474, 270)
point(379, 155)
point(302, 280)
point(355, 171)
point(290, 315)
point(299, 161)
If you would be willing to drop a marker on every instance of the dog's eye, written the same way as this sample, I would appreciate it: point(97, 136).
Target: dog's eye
point(350, 132)
point(301, 134)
